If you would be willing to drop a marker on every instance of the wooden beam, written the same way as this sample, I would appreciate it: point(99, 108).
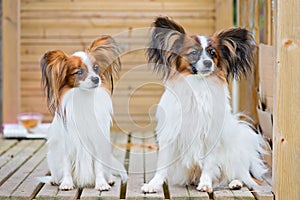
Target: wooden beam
point(269, 34)
point(248, 17)
point(224, 14)
point(11, 59)
point(287, 107)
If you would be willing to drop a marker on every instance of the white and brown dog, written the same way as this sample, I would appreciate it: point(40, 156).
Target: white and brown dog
point(78, 140)
point(200, 140)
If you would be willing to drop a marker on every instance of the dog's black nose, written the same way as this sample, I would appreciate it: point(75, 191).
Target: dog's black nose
point(207, 63)
point(95, 79)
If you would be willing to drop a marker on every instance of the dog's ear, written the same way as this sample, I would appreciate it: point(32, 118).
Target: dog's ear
point(165, 44)
point(236, 51)
point(53, 76)
point(167, 23)
point(107, 54)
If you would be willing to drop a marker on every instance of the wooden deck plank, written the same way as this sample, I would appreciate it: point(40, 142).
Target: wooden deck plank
point(90, 193)
point(6, 145)
point(70, 194)
point(25, 149)
point(31, 185)
point(136, 169)
point(47, 192)
point(178, 192)
point(264, 194)
point(243, 193)
point(227, 194)
point(119, 142)
point(195, 194)
point(52, 192)
point(13, 151)
point(23, 172)
point(150, 161)
point(223, 195)
point(188, 192)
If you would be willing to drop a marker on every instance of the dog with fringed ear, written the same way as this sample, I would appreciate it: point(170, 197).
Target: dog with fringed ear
point(79, 148)
point(106, 53)
point(200, 140)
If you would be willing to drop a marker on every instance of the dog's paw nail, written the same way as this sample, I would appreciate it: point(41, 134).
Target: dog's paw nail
point(148, 189)
point(52, 182)
point(103, 187)
point(204, 188)
point(235, 185)
point(66, 187)
point(111, 182)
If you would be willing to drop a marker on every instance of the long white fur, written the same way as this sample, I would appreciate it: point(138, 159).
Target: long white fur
point(79, 147)
point(198, 135)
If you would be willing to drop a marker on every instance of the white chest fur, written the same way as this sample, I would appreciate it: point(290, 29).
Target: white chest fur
point(191, 108)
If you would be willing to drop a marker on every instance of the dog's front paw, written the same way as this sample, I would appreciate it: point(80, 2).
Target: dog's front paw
point(102, 187)
point(66, 185)
point(149, 188)
point(235, 185)
point(205, 187)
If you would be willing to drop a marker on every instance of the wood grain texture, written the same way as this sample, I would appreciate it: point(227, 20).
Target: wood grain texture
point(287, 108)
point(223, 20)
point(18, 184)
point(248, 17)
point(10, 60)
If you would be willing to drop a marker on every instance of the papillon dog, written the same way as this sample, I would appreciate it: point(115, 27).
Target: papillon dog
point(78, 139)
point(200, 141)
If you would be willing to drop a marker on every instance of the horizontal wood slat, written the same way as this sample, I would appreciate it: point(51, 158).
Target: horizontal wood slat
point(119, 6)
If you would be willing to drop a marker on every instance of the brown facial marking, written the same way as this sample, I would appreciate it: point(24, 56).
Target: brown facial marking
point(219, 72)
point(212, 51)
point(189, 54)
point(77, 71)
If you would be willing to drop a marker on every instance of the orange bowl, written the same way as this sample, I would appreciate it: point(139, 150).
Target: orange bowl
point(30, 119)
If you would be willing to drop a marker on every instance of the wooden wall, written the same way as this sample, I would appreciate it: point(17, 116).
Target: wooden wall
point(70, 25)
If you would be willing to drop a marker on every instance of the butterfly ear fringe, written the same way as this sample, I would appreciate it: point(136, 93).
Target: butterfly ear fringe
point(162, 51)
point(53, 74)
point(236, 47)
point(106, 52)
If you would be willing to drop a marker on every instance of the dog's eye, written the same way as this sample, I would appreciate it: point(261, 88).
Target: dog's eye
point(193, 53)
point(96, 68)
point(212, 52)
point(79, 72)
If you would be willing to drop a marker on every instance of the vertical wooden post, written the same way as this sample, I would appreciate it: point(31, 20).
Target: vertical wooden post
point(11, 59)
point(248, 17)
point(268, 22)
point(287, 105)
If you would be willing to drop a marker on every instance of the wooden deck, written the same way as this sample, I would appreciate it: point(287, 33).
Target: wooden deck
point(23, 161)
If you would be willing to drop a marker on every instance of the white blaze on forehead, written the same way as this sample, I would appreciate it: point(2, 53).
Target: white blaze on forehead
point(84, 57)
point(203, 41)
